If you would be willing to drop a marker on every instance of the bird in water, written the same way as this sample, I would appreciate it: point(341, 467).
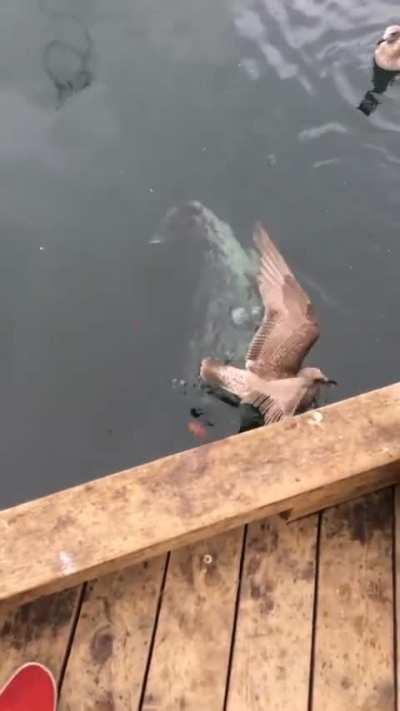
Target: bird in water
point(386, 67)
point(273, 380)
point(387, 51)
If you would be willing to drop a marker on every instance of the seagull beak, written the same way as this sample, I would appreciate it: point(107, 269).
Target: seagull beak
point(391, 34)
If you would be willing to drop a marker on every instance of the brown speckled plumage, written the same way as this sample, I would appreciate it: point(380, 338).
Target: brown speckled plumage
point(273, 379)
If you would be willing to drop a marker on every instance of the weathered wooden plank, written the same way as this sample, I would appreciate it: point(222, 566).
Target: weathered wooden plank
point(111, 645)
point(321, 499)
point(38, 631)
point(396, 581)
point(354, 649)
point(191, 654)
point(140, 513)
point(272, 650)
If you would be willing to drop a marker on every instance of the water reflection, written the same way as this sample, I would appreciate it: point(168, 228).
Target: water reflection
point(127, 215)
point(68, 58)
point(303, 44)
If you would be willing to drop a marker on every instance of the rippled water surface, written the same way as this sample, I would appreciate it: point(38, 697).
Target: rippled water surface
point(114, 118)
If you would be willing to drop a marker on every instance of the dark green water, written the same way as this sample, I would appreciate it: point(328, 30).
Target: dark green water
point(111, 114)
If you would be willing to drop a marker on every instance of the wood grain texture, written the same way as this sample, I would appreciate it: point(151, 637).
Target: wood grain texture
point(396, 530)
point(190, 660)
point(140, 513)
point(321, 499)
point(272, 651)
point(108, 659)
point(354, 646)
point(37, 632)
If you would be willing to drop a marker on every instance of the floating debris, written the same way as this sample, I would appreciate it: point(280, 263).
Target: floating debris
point(271, 159)
point(196, 412)
point(180, 385)
point(197, 429)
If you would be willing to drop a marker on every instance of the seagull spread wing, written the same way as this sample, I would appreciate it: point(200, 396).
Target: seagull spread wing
point(289, 328)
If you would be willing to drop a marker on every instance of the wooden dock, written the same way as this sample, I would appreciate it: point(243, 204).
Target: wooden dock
point(270, 616)
point(275, 618)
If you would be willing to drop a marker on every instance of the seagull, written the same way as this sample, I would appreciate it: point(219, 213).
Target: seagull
point(386, 66)
point(273, 380)
point(387, 50)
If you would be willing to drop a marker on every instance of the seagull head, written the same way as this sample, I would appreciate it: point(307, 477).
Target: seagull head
point(315, 376)
point(391, 34)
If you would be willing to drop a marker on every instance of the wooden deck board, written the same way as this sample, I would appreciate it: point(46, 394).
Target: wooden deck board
point(272, 651)
point(38, 631)
point(108, 659)
point(140, 513)
point(396, 581)
point(354, 648)
point(190, 660)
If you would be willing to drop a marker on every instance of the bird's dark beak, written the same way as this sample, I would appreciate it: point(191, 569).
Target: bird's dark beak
point(331, 382)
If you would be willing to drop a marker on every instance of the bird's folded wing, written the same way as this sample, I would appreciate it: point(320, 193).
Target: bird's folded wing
point(277, 399)
point(289, 328)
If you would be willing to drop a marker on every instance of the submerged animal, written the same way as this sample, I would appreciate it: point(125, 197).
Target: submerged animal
point(273, 380)
point(386, 67)
point(225, 306)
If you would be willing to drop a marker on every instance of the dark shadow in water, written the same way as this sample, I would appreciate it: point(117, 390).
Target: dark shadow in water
point(381, 79)
point(250, 417)
point(68, 66)
point(223, 395)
